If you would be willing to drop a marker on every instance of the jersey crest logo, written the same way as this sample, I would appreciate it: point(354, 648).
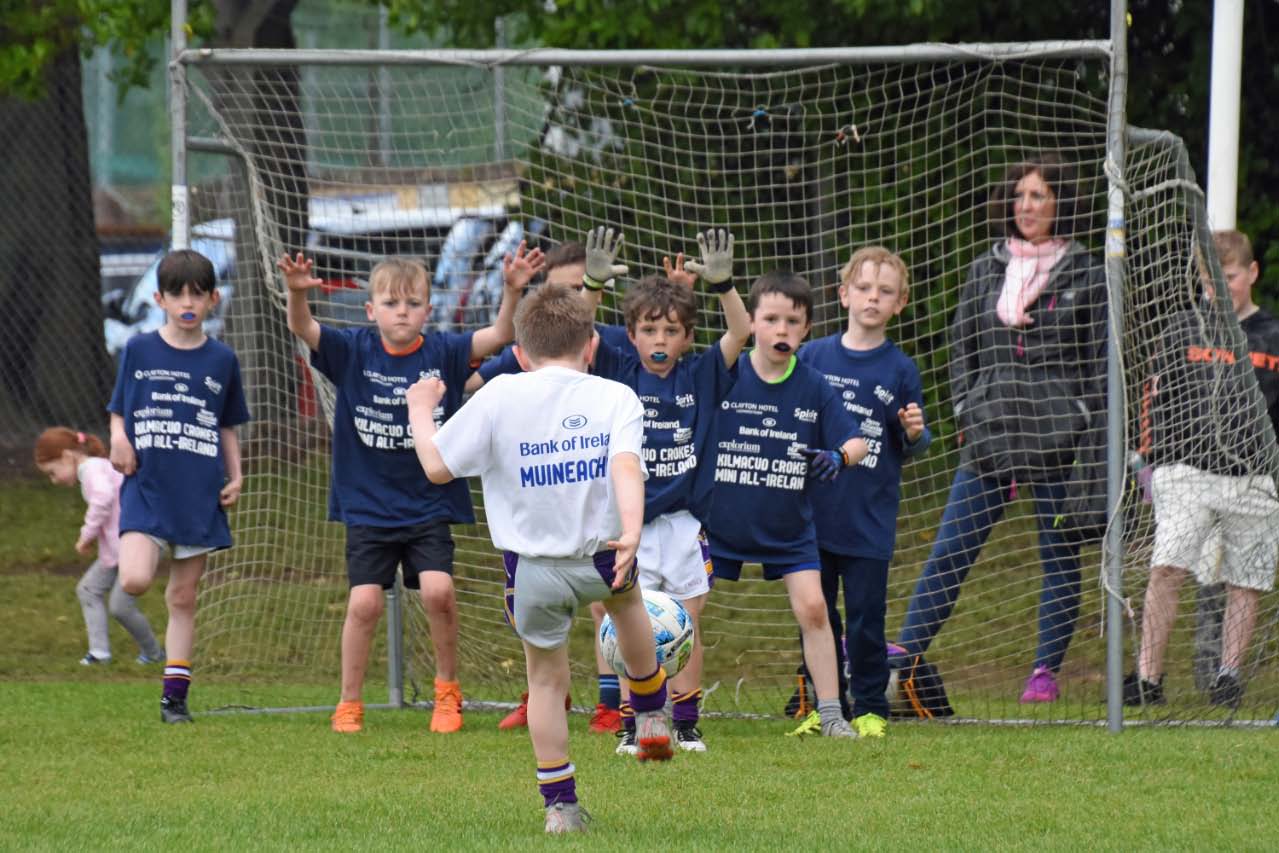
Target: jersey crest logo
point(574, 422)
point(850, 394)
point(769, 422)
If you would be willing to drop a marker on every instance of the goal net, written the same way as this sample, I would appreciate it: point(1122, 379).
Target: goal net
point(457, 159)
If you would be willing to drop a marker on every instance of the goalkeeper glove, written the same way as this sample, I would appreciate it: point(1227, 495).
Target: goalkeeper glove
point(824, 464)
point(601, 258)
point(716, 265)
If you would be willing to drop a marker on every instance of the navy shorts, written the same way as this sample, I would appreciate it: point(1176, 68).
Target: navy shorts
point(374, 553)
point(730, 569)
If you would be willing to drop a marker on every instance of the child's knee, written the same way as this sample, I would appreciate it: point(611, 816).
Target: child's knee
point(437, 593)
point(365, 605)
point(82, 592)
point(812, 615)
point(179, 596)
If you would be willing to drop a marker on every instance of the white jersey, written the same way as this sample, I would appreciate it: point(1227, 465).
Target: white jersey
point(541, 443)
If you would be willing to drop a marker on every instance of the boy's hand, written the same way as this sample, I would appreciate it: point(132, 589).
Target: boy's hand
point(84, 546)
point(230, 492)
point(518, 269)
point(123, 459)
point(298, 275)
point(679, 274)
point(601, 257)
point(823, 464)
point(716, 265)
point(625, 547)
point(912, 419)
point(426, 393)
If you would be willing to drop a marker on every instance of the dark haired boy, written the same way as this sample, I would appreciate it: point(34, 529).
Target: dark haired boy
point(681, 394)
point(176, 403)
point(774, 437)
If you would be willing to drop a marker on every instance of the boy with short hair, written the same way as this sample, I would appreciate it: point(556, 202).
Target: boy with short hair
point(681, 394)
point(394, 517)
point(856, 513)
point(1215, 507)
point(774, 437)
point(176, 403)
point(566, 266)
point(564, 492)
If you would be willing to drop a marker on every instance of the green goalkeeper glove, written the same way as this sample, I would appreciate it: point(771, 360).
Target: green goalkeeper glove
point(601, 258)
point(716, 265)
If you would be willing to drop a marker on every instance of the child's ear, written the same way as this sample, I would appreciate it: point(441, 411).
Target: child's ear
point(523, 360)
point(368, 310)
point(592, 346)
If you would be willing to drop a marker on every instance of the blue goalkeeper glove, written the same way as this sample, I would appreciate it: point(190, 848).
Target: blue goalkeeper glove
point(824, 464)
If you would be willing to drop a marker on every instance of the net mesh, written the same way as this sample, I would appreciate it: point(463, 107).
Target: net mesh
point(457, 164)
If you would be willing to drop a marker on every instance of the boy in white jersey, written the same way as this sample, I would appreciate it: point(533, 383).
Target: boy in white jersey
point(564, 496)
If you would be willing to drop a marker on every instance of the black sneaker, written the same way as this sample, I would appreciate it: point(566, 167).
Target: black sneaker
point(1226, 691)
point(689, 737)
point(626, 743)
point(174, 710)
point(1138, 691)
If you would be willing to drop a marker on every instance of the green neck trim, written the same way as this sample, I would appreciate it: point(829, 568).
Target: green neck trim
point(790, 368)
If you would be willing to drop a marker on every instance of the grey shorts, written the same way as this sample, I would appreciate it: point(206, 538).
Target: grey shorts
point(543, 594)
point(169, 550)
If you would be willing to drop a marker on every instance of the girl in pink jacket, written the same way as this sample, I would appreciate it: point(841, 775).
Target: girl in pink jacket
point(67, 457)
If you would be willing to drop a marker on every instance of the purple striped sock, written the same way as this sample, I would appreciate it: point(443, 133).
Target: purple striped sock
point(556, 782)
point(684, 706)
point(177, 679)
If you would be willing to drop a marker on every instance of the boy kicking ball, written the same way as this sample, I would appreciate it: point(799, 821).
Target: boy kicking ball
point(557, 452)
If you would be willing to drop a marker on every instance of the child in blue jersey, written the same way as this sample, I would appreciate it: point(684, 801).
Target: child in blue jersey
point(394, 517)
point(774, 437)
point(856, 513)
point(681, 395)
point(176, 403)
point(565, 266)
point(564, 493)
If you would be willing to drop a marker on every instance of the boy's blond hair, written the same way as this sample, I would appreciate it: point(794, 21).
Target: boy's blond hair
point(553, 321)
point(876, 255)
point(1233, 247)
point(399, 277)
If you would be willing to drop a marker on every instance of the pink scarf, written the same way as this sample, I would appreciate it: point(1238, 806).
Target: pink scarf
point(1027, 273)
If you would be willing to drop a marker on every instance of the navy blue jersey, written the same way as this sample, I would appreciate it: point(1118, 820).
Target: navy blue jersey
point(856, 514)
point(762, 511)
point(504, 362)
point(377, 479)
point(679, 411)
point(174, 403)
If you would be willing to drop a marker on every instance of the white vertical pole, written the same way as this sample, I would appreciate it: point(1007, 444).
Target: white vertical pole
point(383, 91)
point(1223, 113)
point(179, 196)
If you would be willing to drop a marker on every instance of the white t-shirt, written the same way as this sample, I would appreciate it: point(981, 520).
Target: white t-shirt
point(540, 442)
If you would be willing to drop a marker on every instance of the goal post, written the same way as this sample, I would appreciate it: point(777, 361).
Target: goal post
point(805, 155)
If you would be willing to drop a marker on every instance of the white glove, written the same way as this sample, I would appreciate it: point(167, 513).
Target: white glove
point(716, 265)
point(601, 257)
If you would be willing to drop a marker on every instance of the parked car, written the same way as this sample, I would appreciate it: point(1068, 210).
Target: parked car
point(131, 310)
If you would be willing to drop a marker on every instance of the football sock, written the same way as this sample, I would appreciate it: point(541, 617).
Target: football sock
point(829, 709)
point(648, 694)
point(177, 679)
point(555, 781)
point(628, 717)
point(610, 691)
point(685, 706)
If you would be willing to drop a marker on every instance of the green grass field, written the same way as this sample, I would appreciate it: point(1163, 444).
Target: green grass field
point(88, 765)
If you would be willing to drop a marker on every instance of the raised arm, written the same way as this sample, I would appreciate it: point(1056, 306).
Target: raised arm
point(298, 279)
point(517, 271)
point(716, 269)
point(602, 248)
point(422, 397)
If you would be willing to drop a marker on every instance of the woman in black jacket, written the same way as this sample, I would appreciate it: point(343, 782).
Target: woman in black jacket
point(1027, 380)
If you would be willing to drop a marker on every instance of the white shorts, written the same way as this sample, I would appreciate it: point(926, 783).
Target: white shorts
point(1224, 529)
point(673, 556)
point(169, 551)
point(544, 593)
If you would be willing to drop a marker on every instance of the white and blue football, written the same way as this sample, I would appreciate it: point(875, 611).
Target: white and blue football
point(672, 634)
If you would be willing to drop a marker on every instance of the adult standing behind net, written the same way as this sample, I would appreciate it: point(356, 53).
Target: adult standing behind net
point(1027, 379)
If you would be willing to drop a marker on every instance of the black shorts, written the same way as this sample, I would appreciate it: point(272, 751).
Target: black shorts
point(374, 553)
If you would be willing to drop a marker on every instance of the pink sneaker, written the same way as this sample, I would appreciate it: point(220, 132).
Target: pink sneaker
point(1040, 687)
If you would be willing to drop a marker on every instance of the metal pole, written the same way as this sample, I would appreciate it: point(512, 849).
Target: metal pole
point(499, 94)
point(1112, 547)
point(1223, 113)
point(383, 90)
point(179, 196)
point(394, 646)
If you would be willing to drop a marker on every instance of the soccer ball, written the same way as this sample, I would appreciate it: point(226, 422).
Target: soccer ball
point(672, 634)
